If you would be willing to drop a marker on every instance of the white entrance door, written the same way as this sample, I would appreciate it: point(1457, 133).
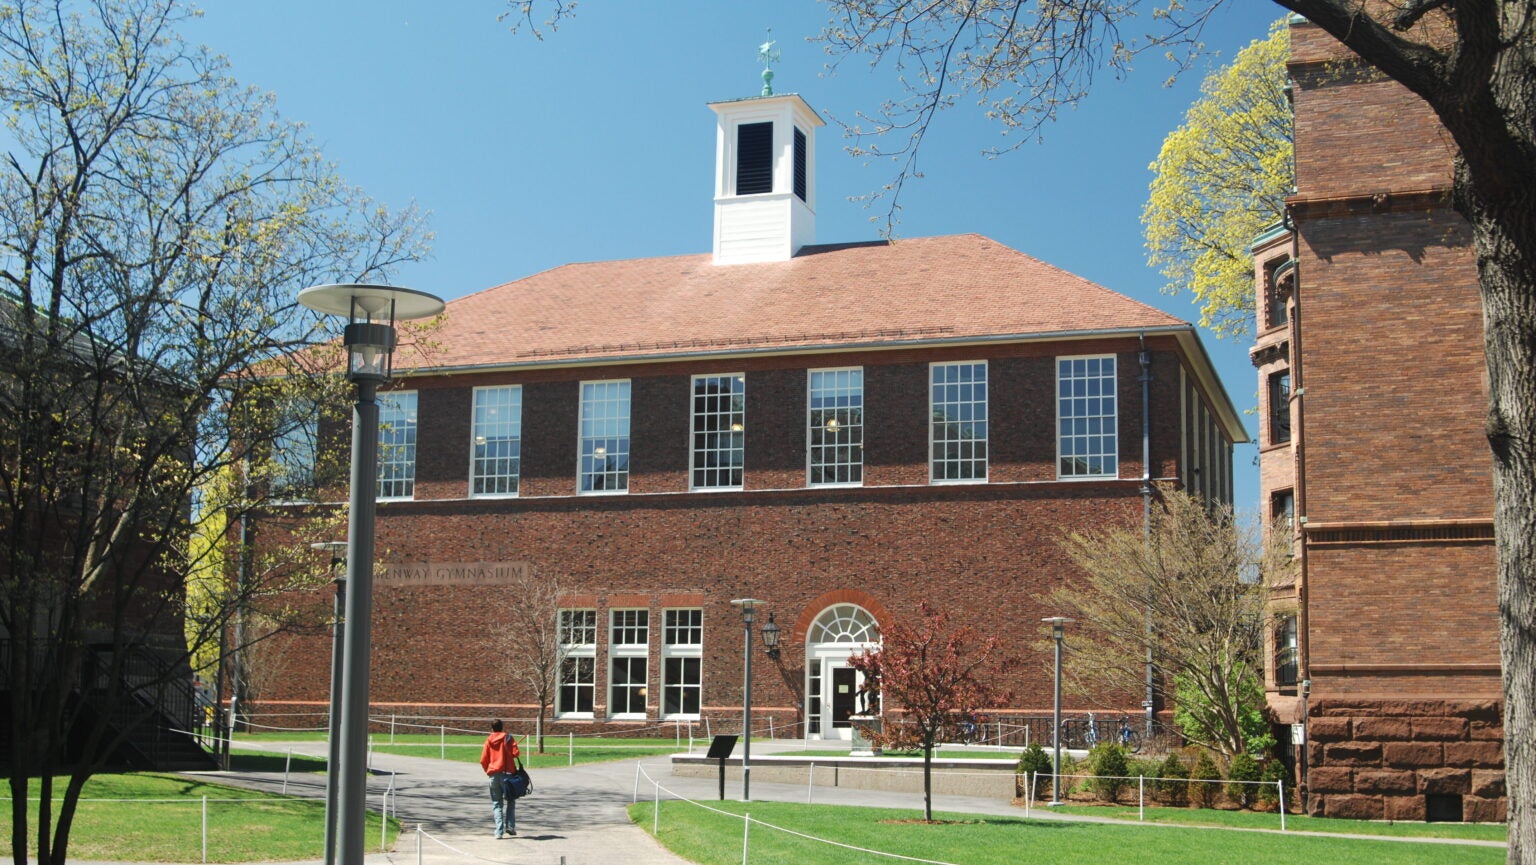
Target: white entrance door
point(834, 690)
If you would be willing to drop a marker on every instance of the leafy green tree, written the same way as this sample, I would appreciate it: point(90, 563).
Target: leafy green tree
point(157, 221)
point(1220, 179)
point(1033, 764)
point(1174, 590)
point(940, 676)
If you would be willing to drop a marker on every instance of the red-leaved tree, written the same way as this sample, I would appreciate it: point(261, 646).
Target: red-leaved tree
point(939, 678)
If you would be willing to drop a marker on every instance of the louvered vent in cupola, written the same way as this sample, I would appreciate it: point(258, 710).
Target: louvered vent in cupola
point(800, 164)
point(754, 158)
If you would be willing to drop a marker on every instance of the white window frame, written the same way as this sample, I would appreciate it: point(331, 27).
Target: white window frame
point(682, 651)
point(735, 425)
point(846, 394)
point(1093, 422)
point(578, 642)
point(935, 405)
point(603, 438)
point(398, 424)
point(492, 422)
point(622, 648)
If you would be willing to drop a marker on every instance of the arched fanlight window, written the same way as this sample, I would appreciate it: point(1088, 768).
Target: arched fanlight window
point(844, 623)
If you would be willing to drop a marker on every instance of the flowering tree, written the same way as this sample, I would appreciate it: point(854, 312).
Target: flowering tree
point(939, 677)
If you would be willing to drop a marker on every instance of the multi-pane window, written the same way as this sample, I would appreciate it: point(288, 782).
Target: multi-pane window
point(604, 446)
point(719, 430)
point(958, 406)
point(1287, 652)
point(1282, 512)
point(1275, 313)
point(836, 426)
point(1087, 417)
point(628, 647)
point(397, 444)
point(1280, 407)
point(295, 447)
point(578, 667)
point(681, 662)
point(497, 437)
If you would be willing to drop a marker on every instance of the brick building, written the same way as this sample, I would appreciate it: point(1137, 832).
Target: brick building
point(1372, 396)
point(841, 431)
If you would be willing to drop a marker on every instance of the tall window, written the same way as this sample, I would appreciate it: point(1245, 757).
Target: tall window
point(1280, 407)
point(397, 444)
point(958, 406)
point(1282, 510)
point(1087, 417)
point(837, 426)
point(754, 158)
point(497, 440)
point(295, 447)
point(578, 667)
point(681, 651)
point(719, 430)
point(604, 436)
point(1274, 294)
point(1287, 652)
point(628, 647)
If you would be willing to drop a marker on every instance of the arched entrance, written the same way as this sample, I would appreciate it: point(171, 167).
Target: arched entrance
point(832, 688)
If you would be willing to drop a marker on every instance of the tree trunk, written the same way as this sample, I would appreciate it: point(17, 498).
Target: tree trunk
point(1505, 234)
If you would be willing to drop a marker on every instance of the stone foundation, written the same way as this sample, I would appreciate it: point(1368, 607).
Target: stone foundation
point(1406, 760)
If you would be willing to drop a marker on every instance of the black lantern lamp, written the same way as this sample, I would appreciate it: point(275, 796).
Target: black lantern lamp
point(771, 638)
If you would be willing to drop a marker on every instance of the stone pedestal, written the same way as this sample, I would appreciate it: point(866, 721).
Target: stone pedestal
point(862, 746)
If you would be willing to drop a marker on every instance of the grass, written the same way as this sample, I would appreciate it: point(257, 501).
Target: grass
point(938, 754)
point(148, 817)
point(715, 839)
point(1293, 822)
point(271, 761)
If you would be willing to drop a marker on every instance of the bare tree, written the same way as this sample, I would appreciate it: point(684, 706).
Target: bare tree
point(532, 643)
point(156, 223)
point(1186, 576)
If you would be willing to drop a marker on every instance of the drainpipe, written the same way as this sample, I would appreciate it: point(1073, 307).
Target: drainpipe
point(1148, 703)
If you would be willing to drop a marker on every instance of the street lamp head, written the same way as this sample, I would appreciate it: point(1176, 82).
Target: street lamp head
point(748, 608)
point(771, 638)
point(371, 312)
point(1058, 624)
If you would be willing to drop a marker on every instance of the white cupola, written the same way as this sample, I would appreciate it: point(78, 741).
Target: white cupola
point(765, 178)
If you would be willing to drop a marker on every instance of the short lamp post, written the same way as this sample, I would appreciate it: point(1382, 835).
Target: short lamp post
point(371, 312)
point(337, 551)
point(1058, 630)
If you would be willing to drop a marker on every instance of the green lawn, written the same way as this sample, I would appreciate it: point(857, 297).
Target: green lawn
point(1294, 822)
point(148, 817)
point(941, 754)
point(585, 751)
point(715, 839)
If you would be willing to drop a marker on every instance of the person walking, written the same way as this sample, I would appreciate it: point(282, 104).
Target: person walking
point(498, 757)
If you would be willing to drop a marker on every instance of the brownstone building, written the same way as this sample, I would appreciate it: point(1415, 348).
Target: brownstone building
point(841, 431)
point(1385, 665)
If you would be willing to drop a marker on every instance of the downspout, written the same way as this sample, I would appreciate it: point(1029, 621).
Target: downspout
point(1148, 703)
point(1299, 505)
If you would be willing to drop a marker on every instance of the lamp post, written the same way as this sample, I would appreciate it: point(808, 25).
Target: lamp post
point(748, 612)
point(371, 312)
point(338, 557)
point(1058, 629)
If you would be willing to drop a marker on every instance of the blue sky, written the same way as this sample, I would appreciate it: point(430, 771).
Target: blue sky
point(595, 144)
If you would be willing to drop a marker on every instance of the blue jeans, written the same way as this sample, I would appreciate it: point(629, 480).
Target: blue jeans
point(503, 807)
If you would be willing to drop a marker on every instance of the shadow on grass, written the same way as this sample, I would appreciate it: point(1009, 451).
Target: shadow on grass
point(255, 761)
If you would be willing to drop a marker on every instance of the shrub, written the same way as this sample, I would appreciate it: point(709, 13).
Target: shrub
point(1274, 771)
point(1109, 770)
point(1201, 789)
point(1172, 786)
point(1243, 769)
point(1034, 761)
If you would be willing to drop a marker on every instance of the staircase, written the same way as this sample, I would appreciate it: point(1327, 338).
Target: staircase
point(156, 710)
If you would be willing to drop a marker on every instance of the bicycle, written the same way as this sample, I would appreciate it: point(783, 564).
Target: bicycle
point(1127, 737)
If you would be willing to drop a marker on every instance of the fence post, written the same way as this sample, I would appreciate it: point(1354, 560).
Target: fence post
point(391, 728)
point(746, 835)
point(656, 809)
point(1141, 795)
point(286, 764)
point(442, 741)
point(205, 828)
point(634, 795)
point(570, 749)
point(770, 726)
point(1280, 788)
point(418, 844)
point(810, 781)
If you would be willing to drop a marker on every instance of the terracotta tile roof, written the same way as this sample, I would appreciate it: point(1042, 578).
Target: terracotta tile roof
point(861, 294)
